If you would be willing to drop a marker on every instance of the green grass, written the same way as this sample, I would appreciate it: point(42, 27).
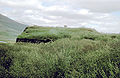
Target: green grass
point(43, 33)
point(85, 54)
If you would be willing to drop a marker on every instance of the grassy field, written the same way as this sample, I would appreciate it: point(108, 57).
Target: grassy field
point(74, 53)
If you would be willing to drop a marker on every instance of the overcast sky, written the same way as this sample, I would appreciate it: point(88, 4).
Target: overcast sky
point(102, 15)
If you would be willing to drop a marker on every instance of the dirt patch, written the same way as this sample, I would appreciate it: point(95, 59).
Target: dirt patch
point(33, 40)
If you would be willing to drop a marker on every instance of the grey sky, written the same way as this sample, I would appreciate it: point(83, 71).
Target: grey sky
point(102, 15)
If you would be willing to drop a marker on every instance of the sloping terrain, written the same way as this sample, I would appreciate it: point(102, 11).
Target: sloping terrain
point(9, 29)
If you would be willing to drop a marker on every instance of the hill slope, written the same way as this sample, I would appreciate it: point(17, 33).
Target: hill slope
point(9, 29)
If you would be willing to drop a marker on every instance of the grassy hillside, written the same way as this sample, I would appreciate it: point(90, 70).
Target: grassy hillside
point(9, 29)
point(84, 53)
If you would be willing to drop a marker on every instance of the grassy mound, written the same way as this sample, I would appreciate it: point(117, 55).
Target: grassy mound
point(42, 34)
point(86, 54)
point(36, 34)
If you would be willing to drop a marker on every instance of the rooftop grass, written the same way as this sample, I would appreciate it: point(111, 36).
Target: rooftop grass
point(55, 33)
point(43, 33)
point(85, 54)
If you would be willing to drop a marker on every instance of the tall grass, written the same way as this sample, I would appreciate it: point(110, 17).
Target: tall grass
point(78, 56)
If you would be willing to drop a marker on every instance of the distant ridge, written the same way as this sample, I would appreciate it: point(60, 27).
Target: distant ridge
point(9, 29)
